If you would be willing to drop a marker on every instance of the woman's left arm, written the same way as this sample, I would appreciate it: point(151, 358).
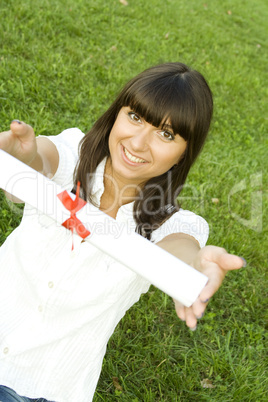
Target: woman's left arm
point(212, 261)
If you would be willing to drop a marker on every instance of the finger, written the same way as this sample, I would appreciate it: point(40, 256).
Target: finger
point(188, 315)
point(191, 320)
point(199, 308)
point(180, 310)
point(4, 139)
point(216, 277)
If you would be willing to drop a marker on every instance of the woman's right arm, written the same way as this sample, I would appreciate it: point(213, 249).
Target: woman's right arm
point(39, 153)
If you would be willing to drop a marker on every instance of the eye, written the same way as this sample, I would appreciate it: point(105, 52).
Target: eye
point(135, 117)
point(167, 135)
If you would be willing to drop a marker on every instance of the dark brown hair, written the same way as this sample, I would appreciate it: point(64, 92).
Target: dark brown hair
point(170, 91)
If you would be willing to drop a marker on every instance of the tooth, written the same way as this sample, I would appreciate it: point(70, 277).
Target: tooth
point(133, 158)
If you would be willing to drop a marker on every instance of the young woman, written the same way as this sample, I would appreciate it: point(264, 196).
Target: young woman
point(59, 307)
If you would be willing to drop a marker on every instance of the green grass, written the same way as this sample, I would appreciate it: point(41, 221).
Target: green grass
point(61, 64)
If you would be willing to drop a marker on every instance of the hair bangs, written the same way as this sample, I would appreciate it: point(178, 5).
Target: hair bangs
point(162, 103)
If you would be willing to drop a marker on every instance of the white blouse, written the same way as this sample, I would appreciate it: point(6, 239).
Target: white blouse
point(58, 307)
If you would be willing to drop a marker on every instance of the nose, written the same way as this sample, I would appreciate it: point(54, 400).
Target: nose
point(140, 139)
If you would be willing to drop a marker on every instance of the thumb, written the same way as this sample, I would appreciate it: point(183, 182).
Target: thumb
point(230, 262)
point(223, 259)
point(22, 130)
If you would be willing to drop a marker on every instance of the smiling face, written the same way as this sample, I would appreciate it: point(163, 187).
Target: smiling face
point(140, 151)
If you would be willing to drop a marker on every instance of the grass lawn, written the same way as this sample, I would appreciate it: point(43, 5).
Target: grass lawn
point(61, 64)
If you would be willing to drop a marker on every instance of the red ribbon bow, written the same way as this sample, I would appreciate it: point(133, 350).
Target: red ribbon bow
point(74, 206)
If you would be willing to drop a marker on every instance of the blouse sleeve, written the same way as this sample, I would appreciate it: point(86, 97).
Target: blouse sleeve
point(186, 222)
point(67, 144)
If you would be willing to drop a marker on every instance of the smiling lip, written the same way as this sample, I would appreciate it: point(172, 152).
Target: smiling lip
point(132, 158)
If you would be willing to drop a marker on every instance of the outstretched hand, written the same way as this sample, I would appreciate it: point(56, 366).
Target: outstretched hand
point(214, 262)
point(19, 141)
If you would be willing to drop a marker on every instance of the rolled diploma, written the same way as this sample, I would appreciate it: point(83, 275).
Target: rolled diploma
point(162, 269)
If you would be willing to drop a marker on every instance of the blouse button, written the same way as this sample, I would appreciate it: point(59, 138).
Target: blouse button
point(6, 350)
point(50, 285)
point(40, 308)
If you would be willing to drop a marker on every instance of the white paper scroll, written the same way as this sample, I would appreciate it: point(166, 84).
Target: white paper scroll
point(162, 269)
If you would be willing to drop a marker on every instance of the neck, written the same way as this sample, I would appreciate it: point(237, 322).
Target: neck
point(121, 191)
point(116, 192)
